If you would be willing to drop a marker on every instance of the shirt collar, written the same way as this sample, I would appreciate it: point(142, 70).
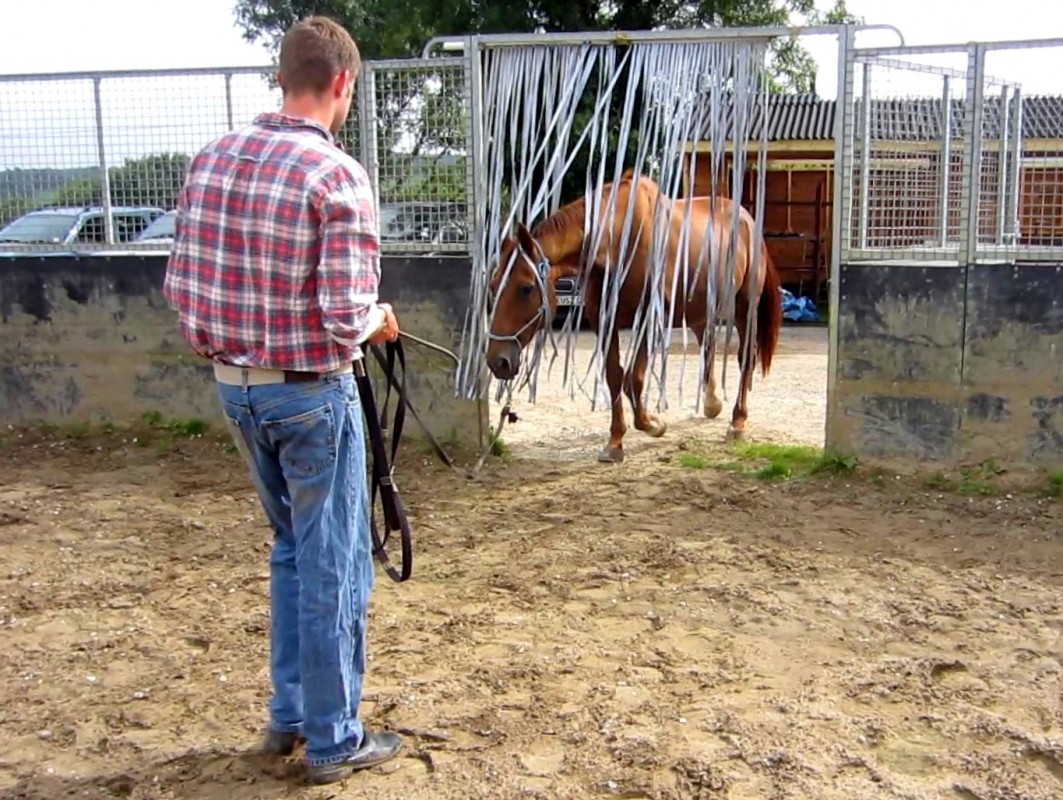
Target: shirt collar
point(275, 119)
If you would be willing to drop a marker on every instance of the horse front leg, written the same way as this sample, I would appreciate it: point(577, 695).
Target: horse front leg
point(634, 385)
point(614, 376)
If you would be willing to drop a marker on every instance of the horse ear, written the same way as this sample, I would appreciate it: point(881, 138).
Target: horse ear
point(527, 242)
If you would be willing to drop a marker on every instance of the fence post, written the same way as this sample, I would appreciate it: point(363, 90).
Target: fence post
point(1016, 170)
point(972, 154)
point(1002, 167)
point(841, 218)
point(945, 171)
point(229, 99)
point(865, 154)
point(105, 178)
point(367, 123)
point(478, 197)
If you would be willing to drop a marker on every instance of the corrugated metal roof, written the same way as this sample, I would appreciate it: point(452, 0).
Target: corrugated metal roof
point(804, 117)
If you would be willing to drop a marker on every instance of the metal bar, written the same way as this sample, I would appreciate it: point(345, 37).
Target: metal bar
point(1016, 170)
point(132, 73)
point(229, 99)
point(1002, 166)
point(972, 154)
point(865, 154)
point(911, 66)
point(105, 178)
point(952, 47)
point(839, 224)
point(478, 200)
point(945, 171)
point(367, 123)
point(630, 37)
point(414, 63)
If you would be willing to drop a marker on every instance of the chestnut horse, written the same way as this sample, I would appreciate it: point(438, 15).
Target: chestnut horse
point(528, 298)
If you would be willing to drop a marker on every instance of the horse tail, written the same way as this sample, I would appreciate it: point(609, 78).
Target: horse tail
point(769, 313)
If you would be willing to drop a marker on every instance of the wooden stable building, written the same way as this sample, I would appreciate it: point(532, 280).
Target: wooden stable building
point(905, 179)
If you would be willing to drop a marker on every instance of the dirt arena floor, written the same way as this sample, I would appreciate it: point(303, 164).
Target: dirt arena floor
point(572, 630)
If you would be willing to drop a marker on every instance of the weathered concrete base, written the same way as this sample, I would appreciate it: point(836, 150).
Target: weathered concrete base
point(92, 339)
point(950, 364)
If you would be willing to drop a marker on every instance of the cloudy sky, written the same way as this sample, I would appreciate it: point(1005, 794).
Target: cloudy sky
point(179, 113)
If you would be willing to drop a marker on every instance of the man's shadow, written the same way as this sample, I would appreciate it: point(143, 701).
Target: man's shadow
point(225, 775)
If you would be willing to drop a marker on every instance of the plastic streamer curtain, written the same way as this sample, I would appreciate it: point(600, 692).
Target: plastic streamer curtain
point(662, 95)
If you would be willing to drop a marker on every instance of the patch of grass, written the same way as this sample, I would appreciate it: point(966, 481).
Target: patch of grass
point(788, 461)
point(152, 418)
point(78, 430)
point(188, 427)
point(977, 480)
point(835, 464)
point(1055, 484)
point(939, 482)
point(499, 449)
point(775, 471)
point(693, 461)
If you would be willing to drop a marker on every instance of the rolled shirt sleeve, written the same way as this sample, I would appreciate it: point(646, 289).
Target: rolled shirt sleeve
point(348, 273)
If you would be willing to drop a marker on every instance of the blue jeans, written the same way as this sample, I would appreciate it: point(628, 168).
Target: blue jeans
point(305, 446)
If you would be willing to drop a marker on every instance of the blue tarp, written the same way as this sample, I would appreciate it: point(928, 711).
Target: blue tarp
point(798, 309)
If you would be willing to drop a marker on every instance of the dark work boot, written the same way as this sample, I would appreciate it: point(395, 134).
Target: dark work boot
point(377, 747)
point(278, 743)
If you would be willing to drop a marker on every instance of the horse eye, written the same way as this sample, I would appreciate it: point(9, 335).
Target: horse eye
point(526, 289)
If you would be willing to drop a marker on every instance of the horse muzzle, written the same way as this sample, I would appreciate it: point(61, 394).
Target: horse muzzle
point(503, 359)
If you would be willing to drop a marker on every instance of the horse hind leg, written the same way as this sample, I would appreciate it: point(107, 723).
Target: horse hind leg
point(712, 406)
point(634, 384)
point(737, 429)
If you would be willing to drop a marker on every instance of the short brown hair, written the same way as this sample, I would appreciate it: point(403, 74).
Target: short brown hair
point(313, 52)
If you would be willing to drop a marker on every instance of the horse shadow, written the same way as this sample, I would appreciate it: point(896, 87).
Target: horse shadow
point(203, 775)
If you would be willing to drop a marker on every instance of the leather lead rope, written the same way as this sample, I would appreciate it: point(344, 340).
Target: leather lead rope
point(383, 482)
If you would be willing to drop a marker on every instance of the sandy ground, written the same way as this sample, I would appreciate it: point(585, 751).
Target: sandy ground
point(564, 421)
point(572, 630)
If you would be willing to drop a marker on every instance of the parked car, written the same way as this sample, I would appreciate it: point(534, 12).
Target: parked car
point(78, 225)
point(161, 231)
point(432, 223)
point(569, 300)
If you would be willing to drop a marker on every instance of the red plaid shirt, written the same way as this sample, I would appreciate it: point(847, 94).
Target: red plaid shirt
point(275, 261)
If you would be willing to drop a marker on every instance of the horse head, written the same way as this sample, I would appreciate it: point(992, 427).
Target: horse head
point(523, 301)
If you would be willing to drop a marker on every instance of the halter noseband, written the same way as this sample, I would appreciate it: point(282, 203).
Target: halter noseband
point(541, 271)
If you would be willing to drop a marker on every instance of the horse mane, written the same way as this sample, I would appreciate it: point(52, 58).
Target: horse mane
point(567, 215)
point(574, 213)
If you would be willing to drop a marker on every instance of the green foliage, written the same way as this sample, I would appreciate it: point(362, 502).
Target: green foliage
point(386, 29)
point(772, 462)
point(153, 180)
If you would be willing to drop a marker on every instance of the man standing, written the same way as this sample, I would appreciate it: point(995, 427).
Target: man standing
point(274, 273)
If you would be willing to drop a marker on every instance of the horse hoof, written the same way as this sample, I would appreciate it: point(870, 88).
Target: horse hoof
point(611, 455)
point(735, 434)
point(713, 409)
point(656, 428)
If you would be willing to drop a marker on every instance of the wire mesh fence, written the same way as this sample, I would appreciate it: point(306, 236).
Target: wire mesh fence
point(948, 159)
point(416, 114)
point(906, 178)
point(92, 162)
point(1020, 202)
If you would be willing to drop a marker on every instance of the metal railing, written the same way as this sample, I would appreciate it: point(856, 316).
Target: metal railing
point(946, 160)
point(92, 161)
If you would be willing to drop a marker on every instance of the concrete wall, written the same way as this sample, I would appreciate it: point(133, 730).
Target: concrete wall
point(950, 364)
point(92, 338)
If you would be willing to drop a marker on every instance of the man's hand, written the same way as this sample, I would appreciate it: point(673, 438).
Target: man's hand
point(389, 331)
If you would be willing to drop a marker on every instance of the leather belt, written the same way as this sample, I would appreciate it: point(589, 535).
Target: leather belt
point(257, 376)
